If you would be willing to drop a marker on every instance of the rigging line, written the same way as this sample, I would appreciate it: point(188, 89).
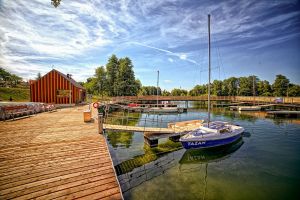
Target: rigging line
point(220, 58)
point(218, 55)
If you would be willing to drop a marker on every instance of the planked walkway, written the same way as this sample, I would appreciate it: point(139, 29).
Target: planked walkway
point(55, 156)
point(178, 128)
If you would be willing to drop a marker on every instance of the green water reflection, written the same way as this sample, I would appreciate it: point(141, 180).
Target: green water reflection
point(265, 164)
point(151, 154)
point(122, 138)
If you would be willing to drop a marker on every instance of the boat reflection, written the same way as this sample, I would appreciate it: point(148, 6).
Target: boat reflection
point(196, 160)
point(204, 156)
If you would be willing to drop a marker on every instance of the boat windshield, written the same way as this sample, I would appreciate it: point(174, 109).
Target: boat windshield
point(215, 125)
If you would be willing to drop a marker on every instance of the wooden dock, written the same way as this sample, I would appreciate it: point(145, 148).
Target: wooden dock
point(173, 128)
point(136, 129)
point(55, 156)
point(248, 99)
point(284, 113)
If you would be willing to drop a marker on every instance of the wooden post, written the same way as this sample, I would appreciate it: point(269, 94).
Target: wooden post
point(151, 143)
point(174, 138)
point(100, 123)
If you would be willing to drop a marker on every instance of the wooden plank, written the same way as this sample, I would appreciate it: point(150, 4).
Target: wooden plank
point(41, 168)
point(55, 155)
point(110, 193)
point(36, 176)
point(96, 187)
point(177, 128)
point(60, 185)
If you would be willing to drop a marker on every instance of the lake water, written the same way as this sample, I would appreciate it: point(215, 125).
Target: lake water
point(265, 164)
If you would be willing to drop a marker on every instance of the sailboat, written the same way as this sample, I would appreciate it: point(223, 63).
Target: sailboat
point(211, 133)
point(163, 108)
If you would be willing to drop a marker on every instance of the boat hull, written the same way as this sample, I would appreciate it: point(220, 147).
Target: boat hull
point(164, 110)
point(201, 144)
point(249, 108)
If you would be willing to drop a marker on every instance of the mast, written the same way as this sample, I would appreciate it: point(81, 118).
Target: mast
point(253, 87)
point(208, 107)
point(157, 88)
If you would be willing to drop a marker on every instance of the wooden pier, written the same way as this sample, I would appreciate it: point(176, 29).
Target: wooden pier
point(153, 134)
point(173, 128)
point(245, 99)
point(55, 156)
point(284, 113)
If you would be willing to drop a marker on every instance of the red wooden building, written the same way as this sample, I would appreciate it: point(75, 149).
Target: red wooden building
point(54, 87)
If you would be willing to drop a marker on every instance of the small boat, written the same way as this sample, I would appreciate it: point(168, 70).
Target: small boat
point(249, 108)
point(164, 110)
point(211, 134)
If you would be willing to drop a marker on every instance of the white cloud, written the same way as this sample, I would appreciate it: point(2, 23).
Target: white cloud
point(168, 81)
point(183, 56)
point(34, 35)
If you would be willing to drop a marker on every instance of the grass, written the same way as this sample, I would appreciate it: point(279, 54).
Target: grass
point(151, 154)
point(17, 94)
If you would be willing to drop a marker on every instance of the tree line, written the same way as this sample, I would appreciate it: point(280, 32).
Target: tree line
point(247, 86)
point(242, 86)
point(10, 80)
point(117, 78)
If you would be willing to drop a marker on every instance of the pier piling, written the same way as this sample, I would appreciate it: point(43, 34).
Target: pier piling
point(100, 123)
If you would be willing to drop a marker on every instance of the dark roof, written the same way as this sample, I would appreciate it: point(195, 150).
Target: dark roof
point(72, 80)
point(63, 75)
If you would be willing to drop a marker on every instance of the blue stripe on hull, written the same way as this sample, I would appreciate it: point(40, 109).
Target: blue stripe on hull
point(209, 143)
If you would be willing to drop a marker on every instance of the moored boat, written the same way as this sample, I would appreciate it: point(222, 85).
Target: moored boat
point(249, 108)
point(211, 134)
point(164, 110)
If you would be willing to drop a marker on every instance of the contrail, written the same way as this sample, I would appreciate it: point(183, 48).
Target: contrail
point(180, 56)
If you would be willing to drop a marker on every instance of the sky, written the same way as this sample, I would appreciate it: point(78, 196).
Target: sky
point(260, 37)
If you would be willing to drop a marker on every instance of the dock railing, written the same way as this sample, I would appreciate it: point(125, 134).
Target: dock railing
point(257, 99)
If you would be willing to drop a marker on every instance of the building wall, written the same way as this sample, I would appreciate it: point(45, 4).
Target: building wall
point(46, 89)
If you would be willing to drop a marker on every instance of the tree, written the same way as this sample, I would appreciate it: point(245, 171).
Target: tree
point(100, 75)
point(125, 82)
point(179, 92)
point(9, 80)
point(253, 80)
point(112, 68)
point(280, 85)
point(166, 93)
point(149, 90)
point(198, 90)
point(264, 88)
point(230, 86)
point(81, 83)
point(245, 87)
point(138, 85)
point(217, 88)
point(91, 85)
point(55, 3)
point(293, 90)
point(38, 76)
point(15, 80)
point(4, 77)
